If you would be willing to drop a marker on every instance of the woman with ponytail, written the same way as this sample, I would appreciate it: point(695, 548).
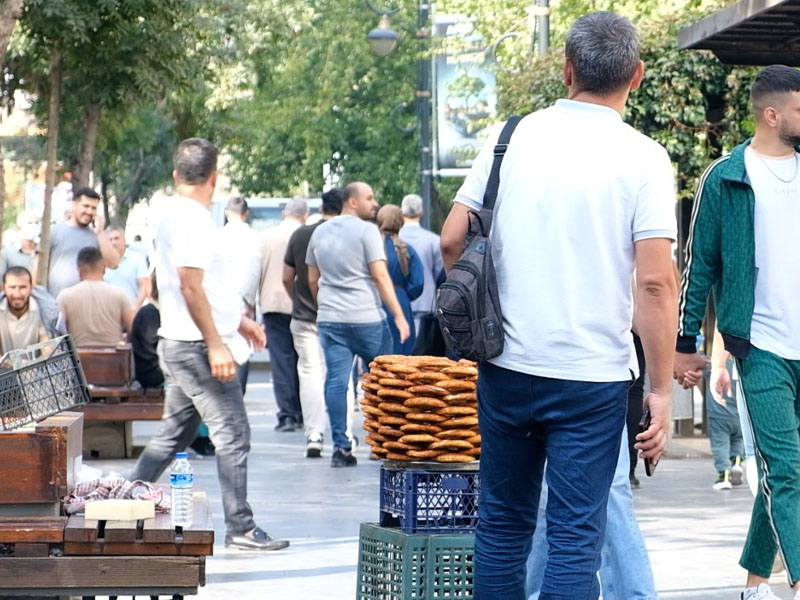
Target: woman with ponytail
point(406, 271)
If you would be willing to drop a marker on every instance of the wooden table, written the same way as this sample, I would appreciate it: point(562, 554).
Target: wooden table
point(62, 557)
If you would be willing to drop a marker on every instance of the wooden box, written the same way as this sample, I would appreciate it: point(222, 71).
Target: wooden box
point(107, 366)
point(38, 465)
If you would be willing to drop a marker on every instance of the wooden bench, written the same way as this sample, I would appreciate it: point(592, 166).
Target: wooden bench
point(72, 556)
point(116, 402)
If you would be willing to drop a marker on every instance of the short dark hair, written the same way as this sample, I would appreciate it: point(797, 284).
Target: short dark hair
point(350, 191)
point(84, 191)
point(18, 272)
point(137, 238)
point(238, 205)
point(604, 50)
point(771, 80)
point(89, 257)
point(195, 160)
point(332, 202)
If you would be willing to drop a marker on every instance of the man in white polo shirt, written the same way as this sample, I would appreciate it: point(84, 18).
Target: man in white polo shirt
point(584, 200)
point(202, 330)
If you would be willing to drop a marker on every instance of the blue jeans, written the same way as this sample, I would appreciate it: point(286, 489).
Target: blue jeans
point(625, 572)
point(577, 427)
point(341, 342)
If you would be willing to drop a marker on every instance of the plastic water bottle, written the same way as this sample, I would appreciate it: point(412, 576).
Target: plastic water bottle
point(181, 480)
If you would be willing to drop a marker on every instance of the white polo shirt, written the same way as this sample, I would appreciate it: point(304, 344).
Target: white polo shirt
point(577, 188)
point(187, 237)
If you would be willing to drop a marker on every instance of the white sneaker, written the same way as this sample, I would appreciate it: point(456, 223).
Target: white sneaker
point(314, 446)
point(762, 592)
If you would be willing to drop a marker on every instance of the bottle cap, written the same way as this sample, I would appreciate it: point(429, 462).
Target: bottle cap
point(182, 455)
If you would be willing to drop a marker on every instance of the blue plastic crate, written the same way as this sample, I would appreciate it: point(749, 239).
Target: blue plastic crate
point(429, 501)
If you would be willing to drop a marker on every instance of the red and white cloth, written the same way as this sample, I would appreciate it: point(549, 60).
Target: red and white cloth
point(114, 487)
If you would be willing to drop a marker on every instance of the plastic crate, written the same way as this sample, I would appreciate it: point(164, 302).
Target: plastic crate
point(39, 381)
point(429, 501)
point(393, 565)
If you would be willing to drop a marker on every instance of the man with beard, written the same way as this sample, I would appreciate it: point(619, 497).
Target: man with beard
point(743, 245)
point(72, 236)
point(21, 322)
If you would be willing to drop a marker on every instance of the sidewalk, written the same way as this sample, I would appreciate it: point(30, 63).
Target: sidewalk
point(694, 534)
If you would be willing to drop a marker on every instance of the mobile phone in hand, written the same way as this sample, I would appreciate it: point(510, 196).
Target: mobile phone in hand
point(644, 425)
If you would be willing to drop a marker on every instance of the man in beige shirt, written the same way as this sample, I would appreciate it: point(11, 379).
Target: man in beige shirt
point(96, 312)
point(20, 318)
point(276, 305)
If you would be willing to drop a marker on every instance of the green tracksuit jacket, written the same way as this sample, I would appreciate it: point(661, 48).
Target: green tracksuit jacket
point(720, 256)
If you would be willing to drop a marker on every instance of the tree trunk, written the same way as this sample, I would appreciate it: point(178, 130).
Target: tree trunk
point(91, 126)
point(9, 15)
point(56, 65)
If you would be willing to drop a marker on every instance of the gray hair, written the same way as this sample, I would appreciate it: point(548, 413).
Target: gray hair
point(412, 206)
point(194, 161)
point(296, 207)
point(237, 204)
point(604, 49)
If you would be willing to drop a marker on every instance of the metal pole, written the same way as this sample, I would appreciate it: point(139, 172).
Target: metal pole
point(424, 111)
point(543, 26)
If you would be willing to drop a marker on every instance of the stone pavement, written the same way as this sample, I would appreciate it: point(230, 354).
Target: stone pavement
point(694, 534)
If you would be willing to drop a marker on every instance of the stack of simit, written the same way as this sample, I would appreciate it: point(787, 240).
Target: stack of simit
point(420, 408)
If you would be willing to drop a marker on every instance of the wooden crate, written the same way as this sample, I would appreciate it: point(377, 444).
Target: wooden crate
point(38, 466)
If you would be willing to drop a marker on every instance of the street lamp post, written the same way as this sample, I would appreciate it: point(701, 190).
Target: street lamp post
point(383, 40)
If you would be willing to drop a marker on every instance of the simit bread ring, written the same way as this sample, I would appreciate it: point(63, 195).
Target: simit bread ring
point(390, 432)
point(426, 417)
point(473, 452)
point(457, 422)
point(394, 407)
point(390, 359)
point(394, 393)
point(461, 398)
point(455, 445)
point(398, 383)
point(375, 437)
point(392, 420)
point(418, 438)
point(420, 428)
point(427, 377)
point(381, 373)
point(398, 446)
point(421, 402)
point(368, 409)
point(475, 440)
point(427, 391)
point(401, 368)
point(452, 434)
point(454, 458)
point(460, 371)
point(456, 411)
point(396, 456)
point(432, 362)
point(457, 385)
point(424, 454)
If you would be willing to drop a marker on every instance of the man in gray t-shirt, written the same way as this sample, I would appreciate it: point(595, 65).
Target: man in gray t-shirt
point(68, 238)
point(348, 276)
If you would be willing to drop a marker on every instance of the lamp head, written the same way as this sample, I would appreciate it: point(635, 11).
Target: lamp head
point(383, 38)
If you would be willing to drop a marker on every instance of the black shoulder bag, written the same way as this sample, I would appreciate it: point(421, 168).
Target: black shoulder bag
point(468, 304)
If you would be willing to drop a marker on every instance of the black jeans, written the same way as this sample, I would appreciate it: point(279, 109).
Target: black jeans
point(283, 360)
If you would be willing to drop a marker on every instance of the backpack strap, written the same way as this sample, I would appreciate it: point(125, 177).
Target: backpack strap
point(490, 195)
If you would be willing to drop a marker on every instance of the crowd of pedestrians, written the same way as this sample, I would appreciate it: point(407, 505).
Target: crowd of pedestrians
point(583, 245)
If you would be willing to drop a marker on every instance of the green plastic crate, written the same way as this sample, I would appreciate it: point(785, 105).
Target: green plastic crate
point(393, 565)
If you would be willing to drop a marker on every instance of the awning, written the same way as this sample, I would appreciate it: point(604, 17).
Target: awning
point(750, 32)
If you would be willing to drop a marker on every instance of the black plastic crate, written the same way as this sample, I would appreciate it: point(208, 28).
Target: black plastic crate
point(39, 381)
point(393, 565)
point(429, 500)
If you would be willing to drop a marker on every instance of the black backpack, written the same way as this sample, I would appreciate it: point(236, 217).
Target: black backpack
point(468, 304)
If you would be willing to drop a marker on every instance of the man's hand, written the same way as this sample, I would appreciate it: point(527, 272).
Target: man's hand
point(651, 443)
point(222, 364)
point(688, 368)
point(99, 223)
point(720, 385)
point(253, 333)
point(402, 327)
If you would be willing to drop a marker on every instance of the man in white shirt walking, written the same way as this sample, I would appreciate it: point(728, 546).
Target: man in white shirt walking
point(200, 319)
point(584, 200)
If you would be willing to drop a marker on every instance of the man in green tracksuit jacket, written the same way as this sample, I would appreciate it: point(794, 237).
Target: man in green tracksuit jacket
point(744, 246)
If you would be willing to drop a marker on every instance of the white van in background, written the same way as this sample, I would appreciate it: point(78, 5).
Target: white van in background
point(264, 212)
